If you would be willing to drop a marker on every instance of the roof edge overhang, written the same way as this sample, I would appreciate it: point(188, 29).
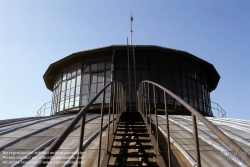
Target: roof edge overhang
point(74, 58)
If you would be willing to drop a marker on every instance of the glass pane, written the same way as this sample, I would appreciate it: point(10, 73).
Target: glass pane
point(77, 101)
point(63, 85)
point(93, 88)
point(58, 88)
point(125, 75)
point(73, 72)
point(64, 75)
point(99, 87)
point(93, 67)
point(84, 99)
point(100, 77)
point(85, 89)
point(99, 99)
point(199, 86)
point(68, 84)
point(77, 90)
point(93, 78)
point(78, 69)
point(107, 96)
point(69, 73)
point(108, 75)
point(144, 75)
point(71, 103)
point(189, 83)
point(177, 79)
point(85, 79)
point(73, 82)
point(184, 83)
point(91, 96)
point(169, 78)
point(108, 88)
point(86, 68)
point(108, 65)
point(66, 105)
point(78, 80)
point(67, 92)
point(101, 66)
point(61, 106)
point(72, 91)
point(62, 94)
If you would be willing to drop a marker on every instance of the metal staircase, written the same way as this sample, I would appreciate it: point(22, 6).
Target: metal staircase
point(132, 144)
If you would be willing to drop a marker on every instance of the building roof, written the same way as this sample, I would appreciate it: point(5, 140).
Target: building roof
point(40, 130)
point(55, 68)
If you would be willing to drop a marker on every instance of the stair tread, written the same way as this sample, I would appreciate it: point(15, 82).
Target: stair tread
point(133, 155)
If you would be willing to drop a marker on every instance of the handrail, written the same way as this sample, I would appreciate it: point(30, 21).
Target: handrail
point(118, 106)
point(42, 110)
point(39, 111)
point(221, 112)
point(144, 108)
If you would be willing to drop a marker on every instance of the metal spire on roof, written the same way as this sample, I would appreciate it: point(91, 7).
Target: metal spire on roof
point(131, 31)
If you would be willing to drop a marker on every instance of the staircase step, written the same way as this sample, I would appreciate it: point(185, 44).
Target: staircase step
point(132, 134)
point(132, 137)
point(131, 126)
point(131, 123)
point(135, 151)
point(125, 154)
point(134, 147)
point(133, 140)
point(131, 130)
point(132, 161)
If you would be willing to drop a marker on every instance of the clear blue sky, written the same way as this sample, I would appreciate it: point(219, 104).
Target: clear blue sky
point(34, 34)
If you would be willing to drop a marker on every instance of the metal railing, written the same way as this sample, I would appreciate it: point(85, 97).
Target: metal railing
point(117, 105)
point(43, 110)
point(49, 109)
point(144, 106)
point(221, 113)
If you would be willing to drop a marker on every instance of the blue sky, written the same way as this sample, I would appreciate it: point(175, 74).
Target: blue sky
point(34, 34)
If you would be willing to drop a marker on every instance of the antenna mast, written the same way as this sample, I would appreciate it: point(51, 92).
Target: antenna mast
point(131, 31)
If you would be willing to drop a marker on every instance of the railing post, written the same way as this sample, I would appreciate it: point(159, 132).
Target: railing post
point(156, 119)
point(116, 100)
point(167, 124)
point(109, 108)
point(197, 149)
point(144, 100)
point(113, 106)
point(146, 104)
point(149, 106)
point(140, 96)
point(119, 98)
point(100, 133)
point(79, 156)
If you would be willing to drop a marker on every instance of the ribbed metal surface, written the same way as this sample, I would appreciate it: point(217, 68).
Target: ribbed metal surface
point(212, 151)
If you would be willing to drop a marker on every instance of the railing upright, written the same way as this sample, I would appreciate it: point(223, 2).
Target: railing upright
point(79, 155)
point(167, 126)
point(156, 127)
point(149, 104)
point(196, 141)
point(110, 100)
point(100, 133)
